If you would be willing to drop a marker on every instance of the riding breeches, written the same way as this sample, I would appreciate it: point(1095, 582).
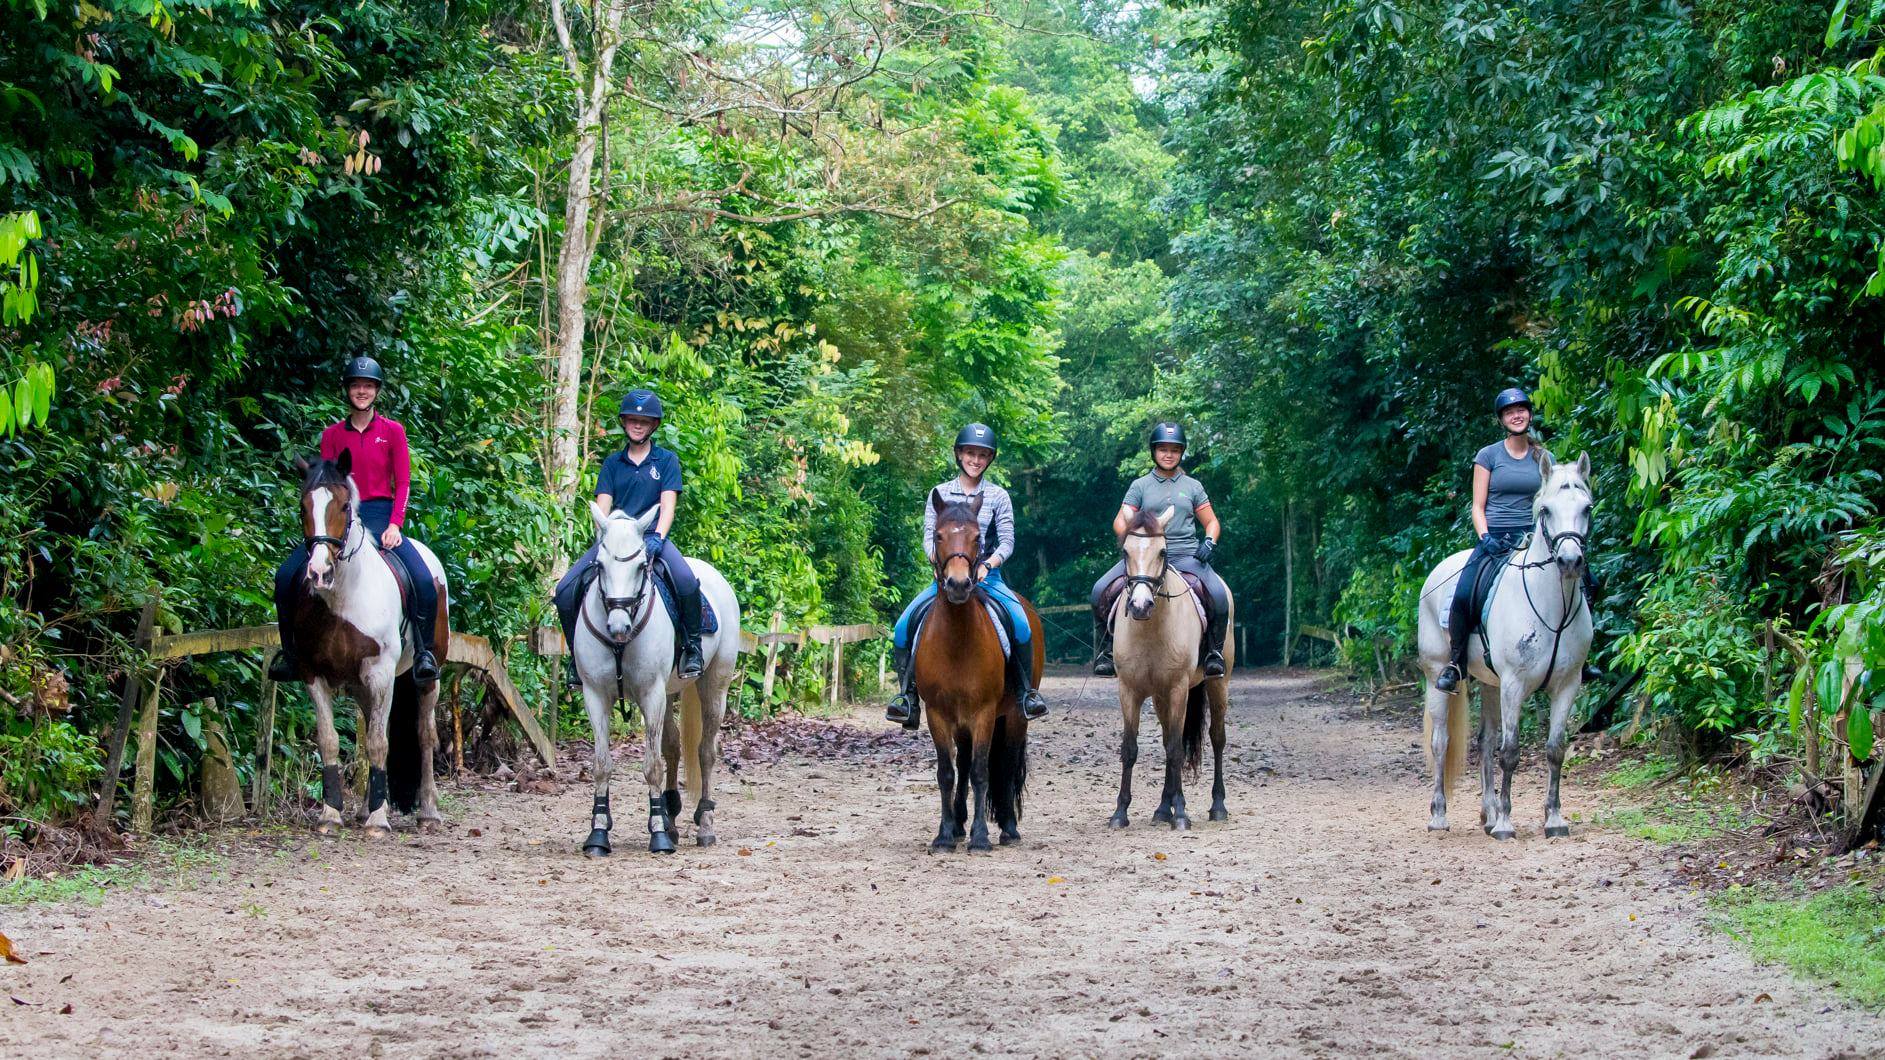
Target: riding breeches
point(997, 589)
point(1494, 545)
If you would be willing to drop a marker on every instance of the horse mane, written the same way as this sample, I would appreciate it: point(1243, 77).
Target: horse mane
point(1144, 522)
point(1559, 473)
point(323, 473)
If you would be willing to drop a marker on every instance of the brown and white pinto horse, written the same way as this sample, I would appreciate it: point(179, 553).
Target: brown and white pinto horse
point(346, 620)
point(981, 738)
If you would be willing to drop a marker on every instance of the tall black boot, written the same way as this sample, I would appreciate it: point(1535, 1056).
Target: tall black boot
point(284, 668)
point(1460, 631)
point(1214, 646)
point(688, 604)
point(904, 709)
point(1033, 704)
point(1103, 649)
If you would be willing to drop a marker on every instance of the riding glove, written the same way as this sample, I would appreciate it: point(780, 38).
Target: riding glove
point(655, 543)
point(1206, 549)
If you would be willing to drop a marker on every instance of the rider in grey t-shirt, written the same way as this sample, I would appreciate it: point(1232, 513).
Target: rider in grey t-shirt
point(1513, 482)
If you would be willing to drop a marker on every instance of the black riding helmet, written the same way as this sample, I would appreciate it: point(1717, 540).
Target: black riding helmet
point(1509, 397)
point(641, 402)
point(980, 435)
point(362, 368)
point(1167, 433)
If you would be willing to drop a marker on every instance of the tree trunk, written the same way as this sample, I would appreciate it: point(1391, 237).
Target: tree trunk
point(1289, 578)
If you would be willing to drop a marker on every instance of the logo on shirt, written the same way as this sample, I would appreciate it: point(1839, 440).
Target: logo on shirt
point(654, 473)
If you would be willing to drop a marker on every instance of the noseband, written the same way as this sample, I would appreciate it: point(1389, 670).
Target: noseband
point(1154, 582)
point(629, 604)
point(341, 553)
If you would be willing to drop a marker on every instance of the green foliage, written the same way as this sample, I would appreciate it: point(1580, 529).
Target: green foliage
point(1836, 936)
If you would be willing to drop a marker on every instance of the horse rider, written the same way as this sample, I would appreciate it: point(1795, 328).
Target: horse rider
point(975, 450)
point(382, 470)
point(1190, 542)
point(1506, 476)
point(638, 478)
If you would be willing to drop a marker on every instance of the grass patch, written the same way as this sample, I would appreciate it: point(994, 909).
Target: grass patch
point(1836, 937)
point(174, 863)
point(1667, 824)
point(1642, 772)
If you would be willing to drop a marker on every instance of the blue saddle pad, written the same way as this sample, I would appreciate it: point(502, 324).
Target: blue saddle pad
point(709, 622)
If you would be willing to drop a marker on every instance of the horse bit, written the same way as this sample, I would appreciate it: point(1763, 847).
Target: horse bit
point(630, 604)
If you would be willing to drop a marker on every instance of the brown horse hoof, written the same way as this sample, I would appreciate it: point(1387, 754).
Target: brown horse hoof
point(326, 828)
point(374, 831)
point(430, 825)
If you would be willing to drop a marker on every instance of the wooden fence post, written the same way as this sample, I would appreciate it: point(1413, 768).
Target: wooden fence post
point(145, 791)
point(264, 739)
point(220, 787)
point(837, 671)
point(772, 658)
point(127, 710)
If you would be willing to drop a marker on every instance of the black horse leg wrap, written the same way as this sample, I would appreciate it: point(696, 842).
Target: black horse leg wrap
point(330, 787)
point(376, 789)
point(599, 814)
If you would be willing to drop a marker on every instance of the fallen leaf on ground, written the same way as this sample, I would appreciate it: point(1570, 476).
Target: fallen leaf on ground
point(1158, 857)
point(6, 950)
point(746, 852)
point(1056, 879)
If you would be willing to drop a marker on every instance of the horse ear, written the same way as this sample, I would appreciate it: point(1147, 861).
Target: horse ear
point(301, 464)
point(1583, 465)
point(345, 463)
point(975, 505)
point(646, 523)
point(936, 501)
point(1165, 517)
point(597, 513)
point(1545, 463)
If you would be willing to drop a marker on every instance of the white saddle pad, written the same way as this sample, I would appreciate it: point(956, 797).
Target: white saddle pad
point(994, 615)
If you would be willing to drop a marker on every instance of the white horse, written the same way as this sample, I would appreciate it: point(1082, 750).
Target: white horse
point(1539, 627)
point(1156, 656)
point(347, 628)
point(624, 647)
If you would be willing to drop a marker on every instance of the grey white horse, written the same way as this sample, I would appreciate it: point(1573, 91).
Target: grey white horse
point(624, 648)
point(1539, 627)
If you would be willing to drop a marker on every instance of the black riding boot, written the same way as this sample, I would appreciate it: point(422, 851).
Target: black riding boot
point(425, 665)
point(905, 709)
point(1103, 649)
point(1460, 631)
point(1214, 647)
point(689, 607)
point(1033, 704)
point(284, 669)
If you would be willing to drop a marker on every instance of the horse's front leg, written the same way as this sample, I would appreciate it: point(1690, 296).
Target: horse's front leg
point(942, 732)
point(1556, 827)
point(378, 705)
point(328, 740)
point(1488, 757)
point(653, 700)
point(1511, 703)
point(1171, 805)
point(983, 740)
point(1130, 707)
point(430, 820)
point(599, 707)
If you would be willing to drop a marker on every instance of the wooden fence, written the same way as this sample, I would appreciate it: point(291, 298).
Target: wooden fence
point(143, 687)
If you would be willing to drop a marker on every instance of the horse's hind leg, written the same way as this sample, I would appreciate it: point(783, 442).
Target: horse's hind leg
point(429, 817)
point(1130, 707)
point(1218, 693)
point(964, 764)
point(1556, 827)
point(1001, 775)
point(328, 740)
point(601, 764)
point(942, 733)
point(1488, 757)
point(710, 710)
point(671, 751)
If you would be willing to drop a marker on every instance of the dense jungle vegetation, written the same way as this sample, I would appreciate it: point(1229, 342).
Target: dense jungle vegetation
point(1321, 233)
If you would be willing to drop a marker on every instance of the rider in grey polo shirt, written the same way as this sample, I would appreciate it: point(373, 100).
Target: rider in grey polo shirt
point(1190, 540)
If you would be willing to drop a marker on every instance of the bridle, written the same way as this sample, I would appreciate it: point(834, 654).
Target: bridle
point(339, 544)
point(1153, 582)
point(1573, 597)
point(633, 605)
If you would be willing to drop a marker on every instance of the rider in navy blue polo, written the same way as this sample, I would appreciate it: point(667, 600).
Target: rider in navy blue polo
point(636, 479)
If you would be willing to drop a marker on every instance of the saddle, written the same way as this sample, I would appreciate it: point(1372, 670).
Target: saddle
point(995, 615)
point(709, 621)
point(1484, 587)
point(401, 576)
point(1109, 600)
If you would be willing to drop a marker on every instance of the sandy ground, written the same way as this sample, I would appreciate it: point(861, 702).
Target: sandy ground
point(1322, 919)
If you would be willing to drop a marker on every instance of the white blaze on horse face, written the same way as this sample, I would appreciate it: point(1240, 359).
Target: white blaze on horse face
point(322, 557)
point(1142, 562)
point(622, 557)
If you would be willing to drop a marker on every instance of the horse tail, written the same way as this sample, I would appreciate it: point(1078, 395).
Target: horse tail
point(1459, 737)
point(402, 745)
point(691, 710)
point(1196, 708)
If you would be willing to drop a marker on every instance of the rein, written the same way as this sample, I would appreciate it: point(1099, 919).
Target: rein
point(1572, 599)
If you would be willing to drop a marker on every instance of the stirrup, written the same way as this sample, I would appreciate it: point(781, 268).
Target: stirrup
point(1103, 665)
point(1214, 664)
point(425, 667)
point(903, 710)
point(571, 678)
point(691, 662)
point(1449, 678)
point(1033, 704)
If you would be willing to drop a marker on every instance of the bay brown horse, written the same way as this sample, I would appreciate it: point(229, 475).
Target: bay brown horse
point(346, 620)
point(974, 718)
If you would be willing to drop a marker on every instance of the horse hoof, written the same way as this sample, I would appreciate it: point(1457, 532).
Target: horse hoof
point(1010, 838)
point(1181, 824)
point(326, 827)
point(706, 839)
point(1161, 817)
point(595, 852)
point(376, 831)
point(1219, 813)
point(942, 846)
point(430, 825)
point(980, 846)
point(1558, 831)
point(660, 843)
point(1503, 834)
point(1117, 821)
point(1439, 826)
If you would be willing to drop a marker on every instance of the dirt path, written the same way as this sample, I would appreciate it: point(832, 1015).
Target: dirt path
point(1322, 920)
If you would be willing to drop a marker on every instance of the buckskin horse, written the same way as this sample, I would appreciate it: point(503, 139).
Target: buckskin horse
point(961, 676)
point(624, 648)
point(1536, 634)
point(348, 621)
point(1156, 655)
